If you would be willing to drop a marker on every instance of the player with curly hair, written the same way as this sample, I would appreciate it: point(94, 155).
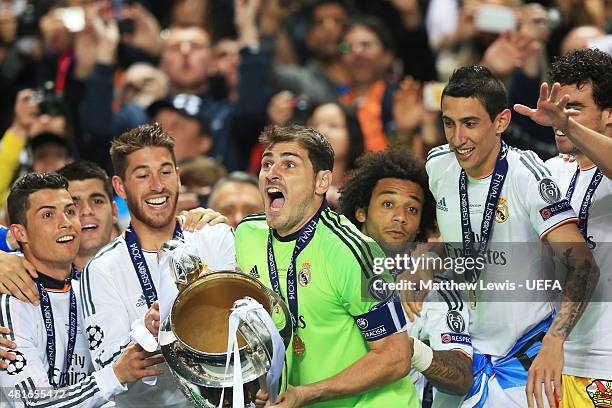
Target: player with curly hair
point(579, 108)
point(379, 176)
point(387, 196)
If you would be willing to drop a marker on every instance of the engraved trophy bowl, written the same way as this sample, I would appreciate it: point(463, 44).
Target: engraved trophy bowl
point(199, 322)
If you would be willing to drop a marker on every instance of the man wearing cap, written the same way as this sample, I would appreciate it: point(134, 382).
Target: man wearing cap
point(183, 118)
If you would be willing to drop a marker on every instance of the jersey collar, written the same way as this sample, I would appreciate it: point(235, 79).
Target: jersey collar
point(54, 285)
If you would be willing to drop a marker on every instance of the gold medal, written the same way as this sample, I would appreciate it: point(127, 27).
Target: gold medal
point(299, 348)
point(473, 299)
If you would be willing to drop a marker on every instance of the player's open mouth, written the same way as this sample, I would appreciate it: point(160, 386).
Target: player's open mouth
point(276, 198)
point(89, 227)
point(65, 239)
point(464, 153)
point(559, 134)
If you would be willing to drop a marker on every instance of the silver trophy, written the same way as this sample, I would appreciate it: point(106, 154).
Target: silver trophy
point(198, 324)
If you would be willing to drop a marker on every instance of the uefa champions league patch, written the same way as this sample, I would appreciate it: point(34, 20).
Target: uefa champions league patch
point(454, 321)
point(549, 191)
point(17, 365)
point(448, 338)
point(95, 335)
point(555, 209)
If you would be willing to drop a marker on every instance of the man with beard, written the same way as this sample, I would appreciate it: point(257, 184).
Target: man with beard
point(51, 366)
point(92, 192)
point(349, 348)
point(388, 198)
point(119, 282)
point(579, 108)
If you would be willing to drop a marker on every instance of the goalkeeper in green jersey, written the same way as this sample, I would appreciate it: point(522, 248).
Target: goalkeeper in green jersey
point(349, 348)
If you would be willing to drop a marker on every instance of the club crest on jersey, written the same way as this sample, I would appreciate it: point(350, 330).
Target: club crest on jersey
point(305, 275)
point(549, 191)
point(455, 321)
point(600, 392)
point(501, 212)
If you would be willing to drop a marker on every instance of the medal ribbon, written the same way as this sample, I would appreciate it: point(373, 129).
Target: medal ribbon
point(49, 323)
point(140, 265)
point(497, 182)
point(585, 206)
point(304, 238)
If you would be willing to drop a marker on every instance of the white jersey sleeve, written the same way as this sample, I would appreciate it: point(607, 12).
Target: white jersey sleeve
point(445, 321)
point(104, 312)
point(435, 167)
point(215, 244)
point(25, 382)
point(543, 198)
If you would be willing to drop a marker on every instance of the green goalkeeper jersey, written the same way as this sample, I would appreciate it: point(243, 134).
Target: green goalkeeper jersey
point(333, 274)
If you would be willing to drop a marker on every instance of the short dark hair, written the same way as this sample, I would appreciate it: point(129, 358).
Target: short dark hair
point(18, 201)
point(586, 66)
point(478, 82)
point(375, 25)
point(320, 151)
point(347, 5)
point(374, 166)
point(83, 170)
point(50, 139)
point(136, 139)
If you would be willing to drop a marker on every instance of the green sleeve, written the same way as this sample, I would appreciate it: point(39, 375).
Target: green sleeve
point(353, 271)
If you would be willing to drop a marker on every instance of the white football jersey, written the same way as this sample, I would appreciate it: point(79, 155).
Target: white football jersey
point(25, 381)
point(588, 350)
point(527, 210)
point(113, 299)
point(443, 325)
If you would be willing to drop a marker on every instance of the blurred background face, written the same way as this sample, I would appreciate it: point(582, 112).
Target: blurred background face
point(143, 84)
point(186, 57)
point(227, 60)
point(366, 58)
point(188, 12)
point(327, 24)
point(236, 200)
point(329, 119)
point(579, 38)
point(49, 158)
point(49, 124)
point(186, 132)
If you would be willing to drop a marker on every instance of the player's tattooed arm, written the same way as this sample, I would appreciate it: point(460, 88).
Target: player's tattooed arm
point(582, 277)
point(450, 371)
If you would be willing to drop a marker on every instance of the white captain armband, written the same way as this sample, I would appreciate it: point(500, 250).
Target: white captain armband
point(381, 321)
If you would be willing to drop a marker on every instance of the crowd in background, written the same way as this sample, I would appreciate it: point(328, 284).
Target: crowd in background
point(75, 74)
